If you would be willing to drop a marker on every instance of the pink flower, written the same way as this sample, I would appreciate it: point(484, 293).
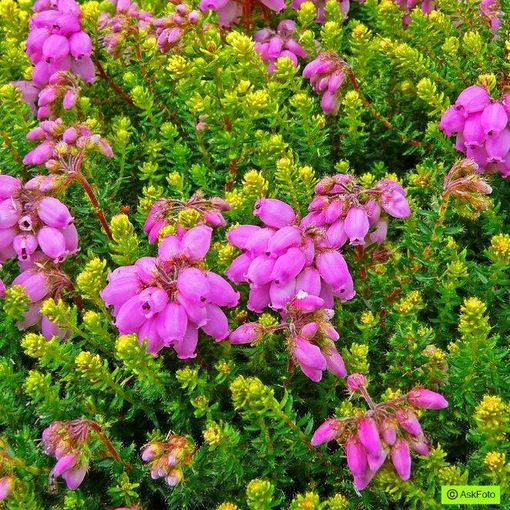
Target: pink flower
point(165, 300)
point(426, 399)
point(326, 432)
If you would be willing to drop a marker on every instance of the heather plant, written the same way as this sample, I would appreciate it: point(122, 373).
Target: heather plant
point(245, 264)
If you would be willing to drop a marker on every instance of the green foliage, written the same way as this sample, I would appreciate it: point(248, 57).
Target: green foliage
point(432, 301)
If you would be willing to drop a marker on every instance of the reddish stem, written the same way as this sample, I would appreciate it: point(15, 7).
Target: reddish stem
point(82, 181)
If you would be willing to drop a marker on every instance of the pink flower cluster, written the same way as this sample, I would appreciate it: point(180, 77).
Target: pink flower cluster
point(62, 89)
point(326, 75)
point(229, 11)
point(60, 146)
point(389, 430)
point(170, 29)
point(407, 6)
point(491, 9)
point(6, 486)
point(65, 441)
point(311, 336)
point(353, 213)
point(164, 212)
point(285, 257)
point(481, 126)
point(126, 21)
point(32, 221)
point(273, 45)
point(42, 280)
point(167, 459)
point(167, 299)
point(57, 42)
point(320, 6)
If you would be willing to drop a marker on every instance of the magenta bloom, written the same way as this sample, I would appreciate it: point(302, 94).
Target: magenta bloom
point(285, 257)
point(31, 222)
point(389, 429)
point(167, 299)
point(164, 211)
point(57, 44)
point(326, 75)
point(481, 126)
point(352, 213)
point(273, 45)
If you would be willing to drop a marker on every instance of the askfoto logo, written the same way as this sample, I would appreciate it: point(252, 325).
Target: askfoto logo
point(470, 494)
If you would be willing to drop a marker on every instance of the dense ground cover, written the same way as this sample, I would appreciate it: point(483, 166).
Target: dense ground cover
point(254, 253)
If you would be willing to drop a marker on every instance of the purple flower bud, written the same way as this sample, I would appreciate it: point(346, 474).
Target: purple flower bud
point(259, 298)
point(329, 102)
point(217, 323)
point(35, 283)
point(74, 477)
point(283, 239)
point(356, 225)
point(55, 48)
point(196, 311)
point(260, 270)
point(64, 464)
point(130, 316)
point(307, 303)
point(24, 245)
point(389, 431)
point(172, 323)
point(193, 285)
point(70, 98)
point(356, 381)
point(494, 119)
point(221, 292)
point(274, 213)
point(452, 121)
point(497, 146)
point(42, 153)
point(473, 132)
point(369, 435)
point(280, 295)
point(335, 361)
point(239, 268)
point(47, 95)
point(240, 235)
point(80, 45)
point(426, 399)
point(472, 99)
point(419, 445)
point(8, 186)
point(258, 242)
point(84, 68)
point(196, 242)
point(187, 347)
point(409, 422)
point(309, 281)
point(332, 268)
point(401, 458)
point(309, 330)
point(326, 432)
point(356, 457)
point(308, 354)
point(288, 266)
point(146, 269)
point(246, 333)
point(214, 218)
point(54, 213)
point(380, 232)
point(52, 243)
point(6, 486)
